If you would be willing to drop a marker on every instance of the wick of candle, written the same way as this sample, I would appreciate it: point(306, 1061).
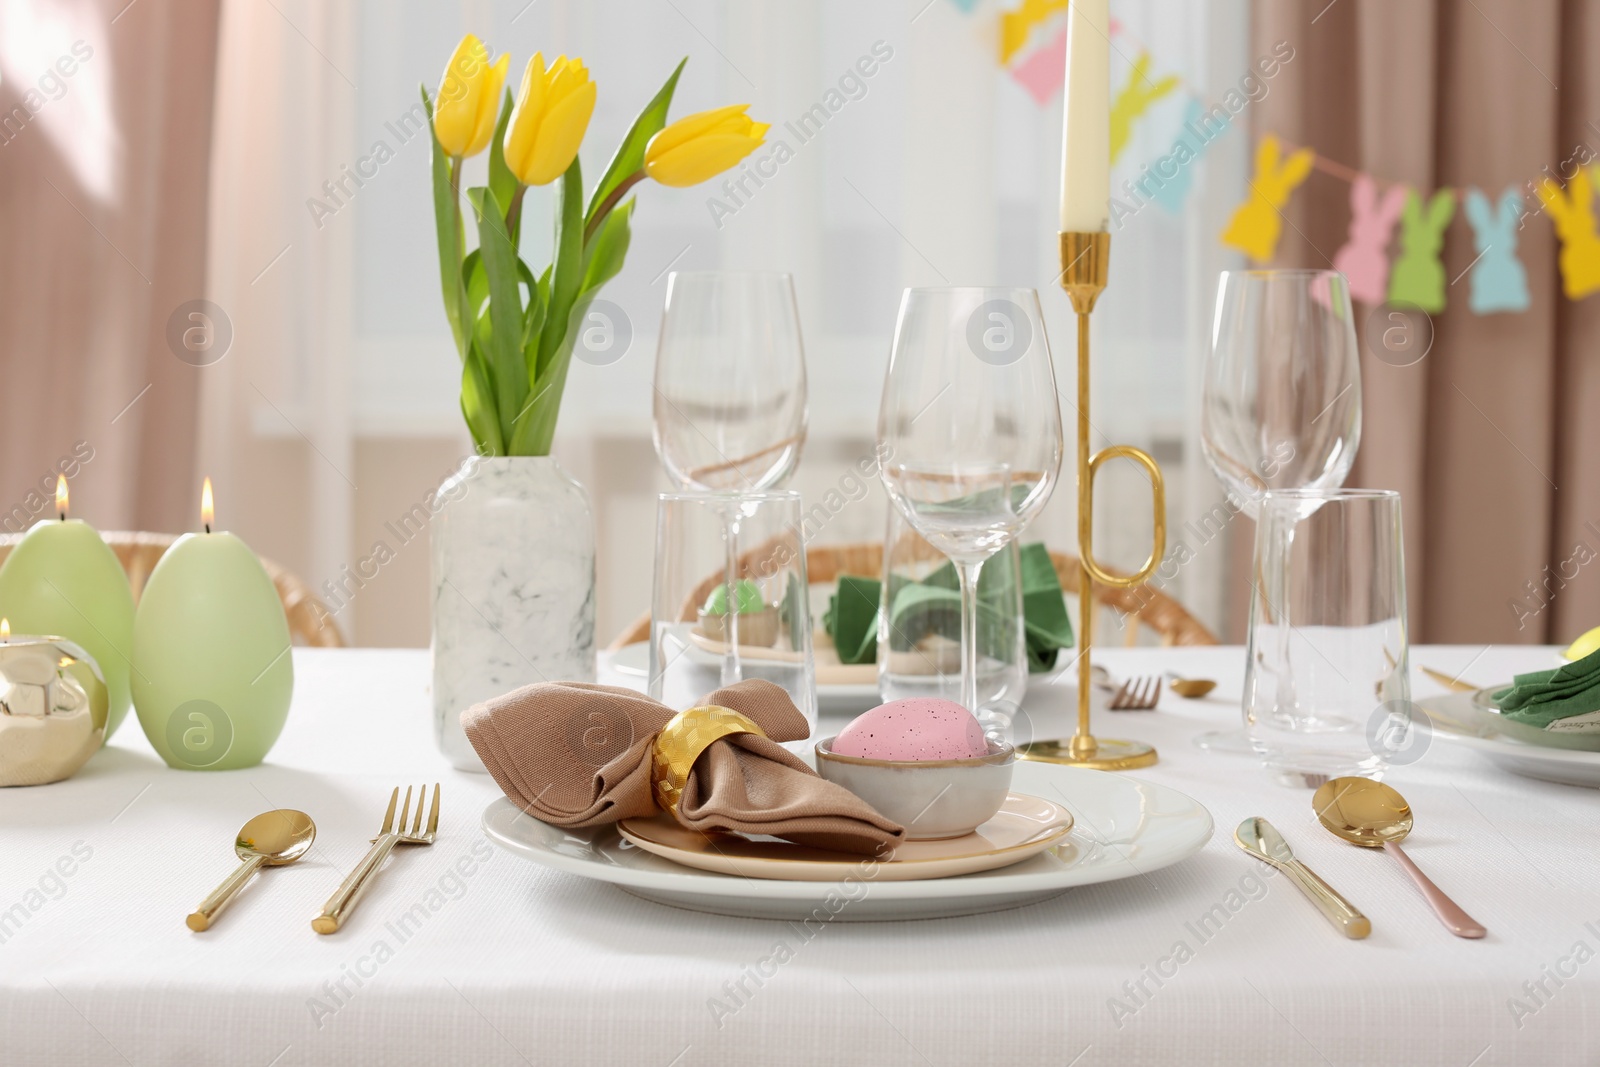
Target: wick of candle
point(208, 527)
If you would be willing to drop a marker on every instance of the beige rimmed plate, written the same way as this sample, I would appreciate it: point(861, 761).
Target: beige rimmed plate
point(1023, 827)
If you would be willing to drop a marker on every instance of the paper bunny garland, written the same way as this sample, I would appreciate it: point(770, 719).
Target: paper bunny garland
point(1134, 100)
point(1573, 212)
point(1418, 276)
point(1182, 156)
point(1499, 282)
point(1364, 259)
point(1256, 225)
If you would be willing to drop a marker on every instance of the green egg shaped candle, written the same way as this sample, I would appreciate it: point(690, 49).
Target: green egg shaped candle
point(61, 579)
point(212, 670)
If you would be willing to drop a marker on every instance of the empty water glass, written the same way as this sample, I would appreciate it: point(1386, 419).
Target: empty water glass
point(1326, 675)
point(755, 612)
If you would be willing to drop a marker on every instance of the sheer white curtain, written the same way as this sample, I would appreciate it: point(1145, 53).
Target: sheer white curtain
point(925, 163)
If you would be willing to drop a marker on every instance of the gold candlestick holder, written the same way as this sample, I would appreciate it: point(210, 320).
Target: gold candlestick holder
point(1085, 263)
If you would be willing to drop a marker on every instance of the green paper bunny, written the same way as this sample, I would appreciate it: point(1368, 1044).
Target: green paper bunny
point(1418, 276)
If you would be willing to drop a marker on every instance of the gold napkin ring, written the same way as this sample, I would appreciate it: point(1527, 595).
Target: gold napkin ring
point(680, 742)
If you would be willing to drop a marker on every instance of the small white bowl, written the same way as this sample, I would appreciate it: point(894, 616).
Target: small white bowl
point(932, 799)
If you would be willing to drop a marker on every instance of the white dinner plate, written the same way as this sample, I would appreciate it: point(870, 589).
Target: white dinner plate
point(1124, 827)
point(1024, 826)
point(1456, 720)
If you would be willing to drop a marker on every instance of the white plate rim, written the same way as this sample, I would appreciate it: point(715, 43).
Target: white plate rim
point(1111, 864)
point(1500, 745)
point(1504, 746)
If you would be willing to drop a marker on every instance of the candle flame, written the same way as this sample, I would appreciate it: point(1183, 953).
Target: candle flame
point(61, 495)
point(5, 629)
point(207, 510)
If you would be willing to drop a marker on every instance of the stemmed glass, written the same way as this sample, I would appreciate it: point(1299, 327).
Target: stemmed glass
point(969, 432)
point(730, 397)
point(1281, 408)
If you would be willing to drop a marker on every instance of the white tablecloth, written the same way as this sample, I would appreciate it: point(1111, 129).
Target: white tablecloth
point(464, 954)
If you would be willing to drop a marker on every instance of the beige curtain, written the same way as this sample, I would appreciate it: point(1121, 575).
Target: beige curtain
point(105, 130)
point(1490, 437)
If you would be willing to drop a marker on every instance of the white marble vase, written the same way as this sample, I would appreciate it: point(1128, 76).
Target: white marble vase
point(513, 588)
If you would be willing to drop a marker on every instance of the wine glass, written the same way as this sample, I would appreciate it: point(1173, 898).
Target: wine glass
point(969, 433)
point(730, 387)
point(730, 397)
point(1281, 408)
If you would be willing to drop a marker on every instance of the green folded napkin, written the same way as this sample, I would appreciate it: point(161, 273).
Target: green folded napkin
point(1542, 697)
point(933, 605)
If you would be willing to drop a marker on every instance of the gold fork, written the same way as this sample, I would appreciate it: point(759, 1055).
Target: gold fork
point(351, 890)
point(1137, 694)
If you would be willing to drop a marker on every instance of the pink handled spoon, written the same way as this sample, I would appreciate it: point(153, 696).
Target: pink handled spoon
point(1374, 815)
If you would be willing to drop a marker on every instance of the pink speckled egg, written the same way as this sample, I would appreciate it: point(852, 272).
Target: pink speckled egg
point(911, 730)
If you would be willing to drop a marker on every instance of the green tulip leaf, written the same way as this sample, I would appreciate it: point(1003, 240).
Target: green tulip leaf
point(629, 157)
point(447, 224)
point(566, 273)
point(609, 247)
point(532, 329)
point(501, 181)
point(478, 405)
point(506, 363)
point(477, 281)
point(534, 433)
point(533, 426)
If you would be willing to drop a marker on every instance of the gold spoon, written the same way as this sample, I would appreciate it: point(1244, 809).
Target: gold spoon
point(271, 839)
point(1374, 815)
point(1191, 688)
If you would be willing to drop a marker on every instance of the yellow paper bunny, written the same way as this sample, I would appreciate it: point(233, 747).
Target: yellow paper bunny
point(1573, 212)
point(1255, 226)
point(1134, 100)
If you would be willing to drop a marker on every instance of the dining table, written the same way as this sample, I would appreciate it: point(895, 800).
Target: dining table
point(465, 953)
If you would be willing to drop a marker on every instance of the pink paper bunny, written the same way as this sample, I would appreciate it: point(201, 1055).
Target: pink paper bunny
point(1364, 259)
point(1573, 212)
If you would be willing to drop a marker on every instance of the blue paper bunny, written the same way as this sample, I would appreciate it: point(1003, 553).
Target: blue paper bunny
point(1184, 157)
point(1499, 281)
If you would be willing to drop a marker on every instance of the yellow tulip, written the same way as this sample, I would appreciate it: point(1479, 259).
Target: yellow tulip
point(469, 98)
point(549, 120)
point(702, 146)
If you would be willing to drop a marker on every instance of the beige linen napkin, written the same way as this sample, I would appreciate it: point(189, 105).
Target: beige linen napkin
point(577, 754)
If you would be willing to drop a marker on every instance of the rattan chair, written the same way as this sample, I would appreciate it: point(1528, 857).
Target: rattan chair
point(310, 621)
point(1134, 610)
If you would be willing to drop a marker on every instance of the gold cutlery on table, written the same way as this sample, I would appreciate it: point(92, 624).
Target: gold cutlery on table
point(1374, 815)
point(1261, 839)
point(1137, 694)
point(1450, 681)
point(351, 890)
point(1190, 688)
point(271, 839)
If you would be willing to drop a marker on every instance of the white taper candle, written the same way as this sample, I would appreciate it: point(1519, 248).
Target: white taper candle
point(1086, 126)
